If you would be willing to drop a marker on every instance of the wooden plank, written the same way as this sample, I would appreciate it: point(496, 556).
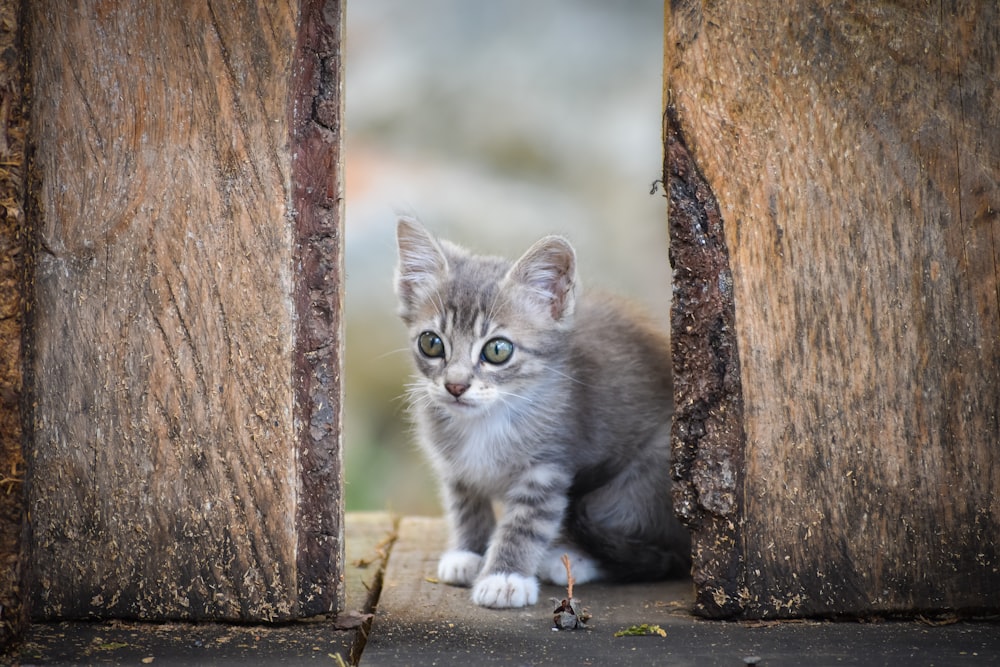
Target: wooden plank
point(708, 437)
point(318, 267)
point(444, 629)
point(852, 156)
point(420, 622)
point(13, 127)
point(368, 536)
point(185, 454)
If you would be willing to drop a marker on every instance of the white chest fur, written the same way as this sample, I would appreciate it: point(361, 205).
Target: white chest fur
point(487, 451)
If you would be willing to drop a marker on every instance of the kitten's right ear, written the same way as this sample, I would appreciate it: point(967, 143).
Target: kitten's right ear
point(421, 262)
point(548, 270)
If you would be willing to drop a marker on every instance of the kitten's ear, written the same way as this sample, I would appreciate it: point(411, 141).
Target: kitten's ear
point(548, 270)
point(421, 262)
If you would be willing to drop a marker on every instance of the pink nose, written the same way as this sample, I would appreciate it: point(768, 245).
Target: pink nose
point(456, 389)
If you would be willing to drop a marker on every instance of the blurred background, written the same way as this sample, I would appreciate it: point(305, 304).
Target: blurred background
point(495, 123)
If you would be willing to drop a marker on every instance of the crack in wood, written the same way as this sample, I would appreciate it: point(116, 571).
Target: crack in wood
point(383, 554)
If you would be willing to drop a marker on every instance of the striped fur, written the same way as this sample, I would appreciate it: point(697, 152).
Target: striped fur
point(570, 434)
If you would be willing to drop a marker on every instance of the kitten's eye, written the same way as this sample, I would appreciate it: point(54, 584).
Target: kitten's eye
point(497, 350)
point(430, 344)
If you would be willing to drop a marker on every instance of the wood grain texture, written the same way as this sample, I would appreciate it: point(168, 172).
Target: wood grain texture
point(13, 251)
point(854, 154)
point(169, 398)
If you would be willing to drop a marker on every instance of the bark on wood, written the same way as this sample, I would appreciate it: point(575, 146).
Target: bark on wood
point(317, 194)
point(13, 124)
point(853, 153)
point(185, 454)
point(707, 436)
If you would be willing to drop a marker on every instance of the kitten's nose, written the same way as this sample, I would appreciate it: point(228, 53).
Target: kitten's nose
point(456, 389)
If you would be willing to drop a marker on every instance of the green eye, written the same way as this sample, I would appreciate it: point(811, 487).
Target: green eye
point(497, 350)
point(430, 344)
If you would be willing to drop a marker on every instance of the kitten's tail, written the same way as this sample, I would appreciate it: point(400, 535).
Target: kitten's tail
point(628, 558)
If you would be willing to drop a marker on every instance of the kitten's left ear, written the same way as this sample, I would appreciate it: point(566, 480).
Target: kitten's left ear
point(548, 270)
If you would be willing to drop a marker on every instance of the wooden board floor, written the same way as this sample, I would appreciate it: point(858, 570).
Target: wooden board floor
point(420, 622)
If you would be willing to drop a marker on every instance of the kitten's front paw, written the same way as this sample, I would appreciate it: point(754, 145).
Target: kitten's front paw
point(505, 590)
point(553, 570)
point(459, 567)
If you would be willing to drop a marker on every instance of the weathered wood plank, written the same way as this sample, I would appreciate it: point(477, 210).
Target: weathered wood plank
point(446, 630)
point(318, 259)
point(708, 437)
point(854, 155)
point(182, 404)
point(370, 537)
point(420, 622)
point(304, 642)
point(13, 127)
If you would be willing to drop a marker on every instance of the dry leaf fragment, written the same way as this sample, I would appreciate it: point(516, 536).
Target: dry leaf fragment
point(641, 631)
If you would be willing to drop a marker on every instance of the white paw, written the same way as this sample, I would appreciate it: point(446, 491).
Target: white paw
point(505, 590)
point(459, 567)
point(553, 570)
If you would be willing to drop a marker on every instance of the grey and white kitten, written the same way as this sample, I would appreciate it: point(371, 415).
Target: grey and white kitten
point(554, 406)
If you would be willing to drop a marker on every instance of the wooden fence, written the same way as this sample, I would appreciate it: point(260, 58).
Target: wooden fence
point(173, 190)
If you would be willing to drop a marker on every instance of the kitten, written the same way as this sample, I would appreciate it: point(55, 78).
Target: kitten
point(556, 407)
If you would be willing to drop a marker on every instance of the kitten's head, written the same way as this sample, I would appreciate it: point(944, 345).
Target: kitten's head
point(485, 331)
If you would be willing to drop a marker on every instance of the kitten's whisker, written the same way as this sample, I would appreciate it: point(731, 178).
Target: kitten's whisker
point(520, 396)
point(391, 352)
point(568, 377)
point(415, 394)
point(406, 396)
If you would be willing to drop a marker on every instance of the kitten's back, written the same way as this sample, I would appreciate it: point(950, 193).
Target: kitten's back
point(620, 509)
point(621, 364)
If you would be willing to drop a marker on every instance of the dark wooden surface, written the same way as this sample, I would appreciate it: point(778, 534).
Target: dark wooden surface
point(853, 154)
point(310, 641)
point(185, 353)
point(13, 127)
point(317, 111)
point(422, 622)
point(707, 435)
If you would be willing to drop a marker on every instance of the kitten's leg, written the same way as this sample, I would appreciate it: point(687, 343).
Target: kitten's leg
point(533, 515)
point(471, 520)
point(584, 568)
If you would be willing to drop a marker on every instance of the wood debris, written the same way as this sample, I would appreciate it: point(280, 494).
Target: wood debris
point(569, 614)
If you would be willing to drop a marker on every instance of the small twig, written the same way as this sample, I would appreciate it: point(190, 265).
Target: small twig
point(569, 576)
point(569, 614)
